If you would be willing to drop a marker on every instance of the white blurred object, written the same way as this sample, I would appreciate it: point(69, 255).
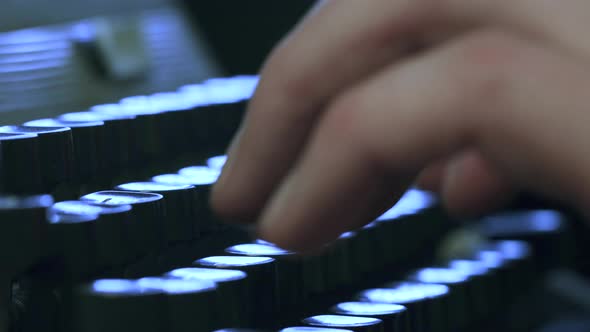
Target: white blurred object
point(147, 47)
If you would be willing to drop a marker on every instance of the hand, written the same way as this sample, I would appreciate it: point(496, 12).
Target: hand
point(495, 99)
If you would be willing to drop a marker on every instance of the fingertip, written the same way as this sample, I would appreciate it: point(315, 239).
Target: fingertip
point(430, 179)
point(228, 206)
point(471, 187)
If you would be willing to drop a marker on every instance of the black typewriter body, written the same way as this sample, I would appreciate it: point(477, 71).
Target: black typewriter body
point(105, 226)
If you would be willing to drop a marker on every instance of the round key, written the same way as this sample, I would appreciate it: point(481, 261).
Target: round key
point(120, 133)
point(311, 329)
point(87, 141)
point(56, 152)
point(146, 227)
point(353, 323)
point(414, 222)
point(20, 173)
point(484, 285)
point(340, 263)
point(545, 230)
point(72, 236)
point(147, 131)
point(261, 279)
point(460, 311)
point(519, 258)
point(426, 304)
point(228, 97)
point(112, 248)
point(24, 230)
point(174, 121)
point(290, 290)
point(204, 172)
point(202, 181)
point(392, 315)
point(179, 201)
point(118, 305)
point(239, 330)
point(220, 108)
point(188, 303)
point(233, 294)
point(367, 254)
point(198, 123)
point(217, 162)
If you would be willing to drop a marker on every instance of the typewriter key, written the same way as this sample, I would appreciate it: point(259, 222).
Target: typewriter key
point(546, 230)
point(110, 231)
point(289, 285)
point(72, 237)
point(20, 173)
point(146, 227)
point(460, 312)
point(24, 226)
point(484, 285)
point(205, 222)
point(188, 302)
point(354, 323)
point(119, 138)
point(56, 152)
point(312, 329)
point(393, 315)
point(179, 201)
point(217, 162)
point(233, 294)
point(87, 141)
point(261, 273)
point(426, 303)
point(119, 305)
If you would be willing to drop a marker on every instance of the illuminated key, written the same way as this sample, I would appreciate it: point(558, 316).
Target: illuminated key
point(119, 305)
point(23, 226)
point(188, 302)
point(20, 173)
point(120, 136)
point(354, 323)
point(110, 231)
point(261, 273)
point(394, 316)
point(426, 303)
point(146, 228)
point(233, 295)
point(89, 144)
point(179, 201)
point(290, 279)
point(72, 236)
point(545, 230)
point(202, 179)
point(56, 152)
point(460, 311)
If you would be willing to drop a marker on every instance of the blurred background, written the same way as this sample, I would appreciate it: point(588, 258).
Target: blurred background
point(65, 55)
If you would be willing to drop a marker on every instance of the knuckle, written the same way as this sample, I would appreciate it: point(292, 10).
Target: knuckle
point(343, 118)
point(487, 62)
point(347, 120)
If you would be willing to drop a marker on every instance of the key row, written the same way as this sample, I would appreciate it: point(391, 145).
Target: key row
point(243, 291)
point(257, 283)
point(107, 141)
point(108, 228)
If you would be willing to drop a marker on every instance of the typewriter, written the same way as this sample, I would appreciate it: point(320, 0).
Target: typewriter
point(115, 116)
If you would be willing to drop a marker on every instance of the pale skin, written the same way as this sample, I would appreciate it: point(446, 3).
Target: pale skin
point(346, 118)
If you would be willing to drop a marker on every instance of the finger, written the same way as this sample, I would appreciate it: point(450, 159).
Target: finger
point(431, 177)
point(325, 56)
point(341, 43)
point(513, 110)
point(472, 187)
